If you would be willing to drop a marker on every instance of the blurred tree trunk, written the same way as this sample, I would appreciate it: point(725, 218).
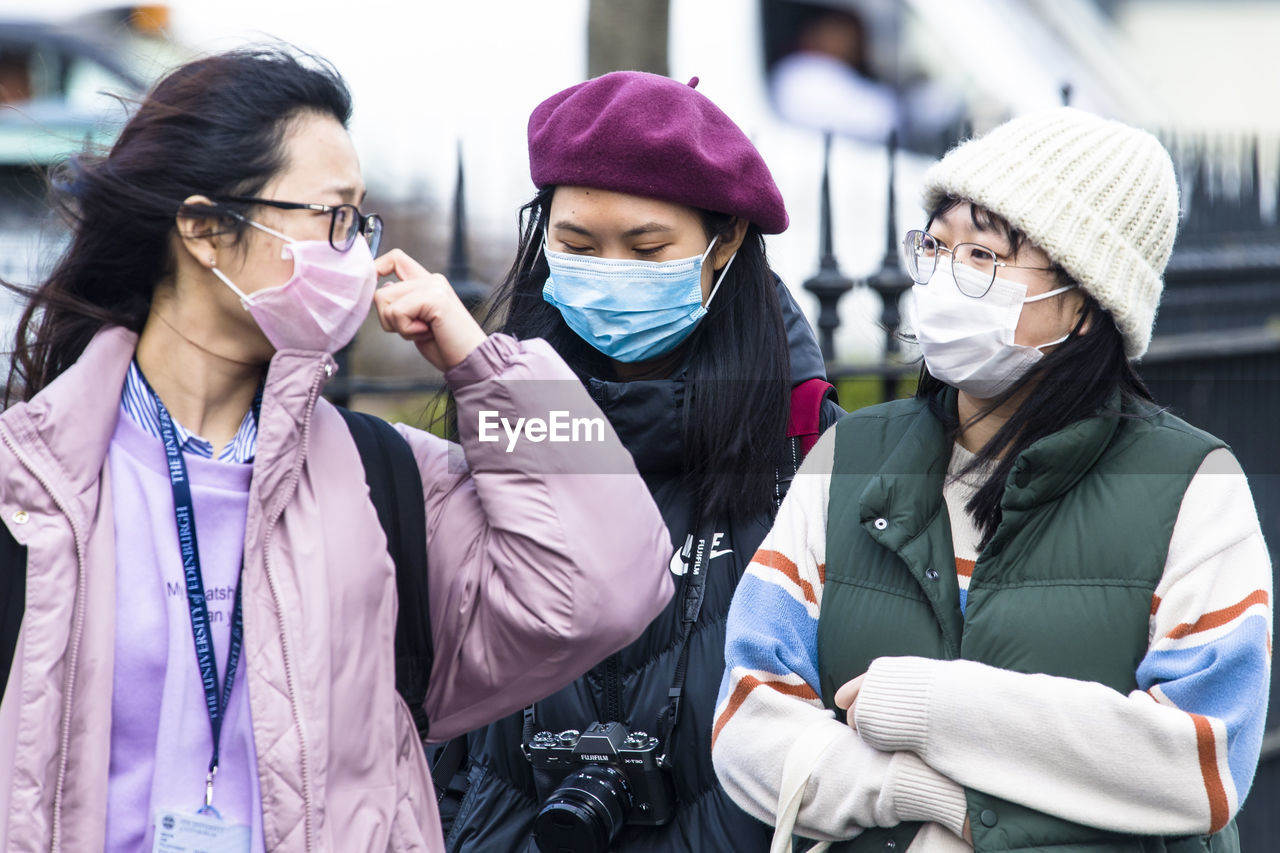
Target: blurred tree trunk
point(627, 35)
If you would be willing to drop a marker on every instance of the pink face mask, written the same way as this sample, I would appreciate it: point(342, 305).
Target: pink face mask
point(321, 306)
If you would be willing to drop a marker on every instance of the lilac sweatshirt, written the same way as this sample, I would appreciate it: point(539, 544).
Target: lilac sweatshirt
point(160, 736)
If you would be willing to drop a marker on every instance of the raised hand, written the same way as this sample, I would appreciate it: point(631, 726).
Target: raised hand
point(422, 307)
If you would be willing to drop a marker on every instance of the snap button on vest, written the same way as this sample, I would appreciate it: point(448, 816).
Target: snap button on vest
point(21, 517)
point(931, 574)
point(881, 523)
point(988, 817)
point(890, 844)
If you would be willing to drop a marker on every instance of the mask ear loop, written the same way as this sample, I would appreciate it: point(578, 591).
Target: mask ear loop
point(1053, 343)
point(273, 232)
point(703, 260)
point(1053, 292)
point(710, 246)
point(720, 280)
point(244, 297)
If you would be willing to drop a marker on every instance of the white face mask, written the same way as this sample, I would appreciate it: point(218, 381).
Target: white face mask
point(968, 343)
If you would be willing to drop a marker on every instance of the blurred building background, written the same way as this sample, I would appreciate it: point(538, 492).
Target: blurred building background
point(443, 89)
point(426, 94)
point(62, 87)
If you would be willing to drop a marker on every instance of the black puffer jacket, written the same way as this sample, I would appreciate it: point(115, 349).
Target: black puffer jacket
point(500, 802)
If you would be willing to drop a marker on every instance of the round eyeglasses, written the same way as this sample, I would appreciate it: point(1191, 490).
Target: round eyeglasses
point(973, 266)
point(346, 222)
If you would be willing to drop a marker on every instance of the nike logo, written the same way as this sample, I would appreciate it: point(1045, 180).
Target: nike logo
point(680, 559)
point(679, 562)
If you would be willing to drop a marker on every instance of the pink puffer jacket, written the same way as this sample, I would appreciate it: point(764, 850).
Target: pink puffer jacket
point(544, 558)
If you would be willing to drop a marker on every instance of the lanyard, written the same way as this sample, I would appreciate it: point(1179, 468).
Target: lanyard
point(216, 702)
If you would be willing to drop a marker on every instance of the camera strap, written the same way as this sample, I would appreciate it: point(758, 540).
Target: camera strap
point(693, 591)
point(543, 782)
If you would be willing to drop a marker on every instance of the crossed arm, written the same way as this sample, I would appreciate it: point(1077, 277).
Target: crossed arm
point(1176, 756)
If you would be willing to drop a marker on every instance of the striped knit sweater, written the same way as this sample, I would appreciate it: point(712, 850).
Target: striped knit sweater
point(1175, 757)
point(965, 535)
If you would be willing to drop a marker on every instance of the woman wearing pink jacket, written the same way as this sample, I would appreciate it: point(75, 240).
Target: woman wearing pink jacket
point(207, 620)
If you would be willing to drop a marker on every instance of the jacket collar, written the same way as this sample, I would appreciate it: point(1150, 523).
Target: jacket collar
point(647, 415)
point(294, 381)
point(64, 432)
point(802, 347)
point(1053, 465)
point(1042, 473)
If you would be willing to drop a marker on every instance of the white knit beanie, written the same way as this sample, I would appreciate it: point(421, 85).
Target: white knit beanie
point(1099, 197)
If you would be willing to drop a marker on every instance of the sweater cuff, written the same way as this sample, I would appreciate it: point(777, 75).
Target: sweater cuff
point(892, 711)
point(484, 362)
point(922, 793)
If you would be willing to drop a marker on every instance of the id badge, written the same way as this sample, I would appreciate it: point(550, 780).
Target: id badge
point(179, 832)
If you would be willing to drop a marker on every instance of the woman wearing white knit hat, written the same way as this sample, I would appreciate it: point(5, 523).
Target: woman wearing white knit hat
point(1041, 603)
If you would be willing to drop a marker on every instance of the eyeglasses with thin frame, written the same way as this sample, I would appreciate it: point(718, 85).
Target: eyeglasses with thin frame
point(921, 250)
point(346, 222)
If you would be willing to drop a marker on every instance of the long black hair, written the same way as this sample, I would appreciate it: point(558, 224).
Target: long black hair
point(214, 126)
point(738, 375)
point(1075, 380)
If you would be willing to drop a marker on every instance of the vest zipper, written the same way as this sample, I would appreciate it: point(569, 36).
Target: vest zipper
point(303, 759)
point(612, 690)
point(73, 657)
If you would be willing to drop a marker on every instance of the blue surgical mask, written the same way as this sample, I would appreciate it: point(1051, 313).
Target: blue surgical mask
point(629, 310)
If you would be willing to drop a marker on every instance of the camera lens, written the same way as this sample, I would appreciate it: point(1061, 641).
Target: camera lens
point(585, 814)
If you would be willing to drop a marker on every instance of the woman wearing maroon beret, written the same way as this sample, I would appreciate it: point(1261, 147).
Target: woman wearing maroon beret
point(642, 262)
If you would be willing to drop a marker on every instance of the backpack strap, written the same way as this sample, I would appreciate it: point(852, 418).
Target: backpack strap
point(13, 597)
point(395, 488)
point(804, 423)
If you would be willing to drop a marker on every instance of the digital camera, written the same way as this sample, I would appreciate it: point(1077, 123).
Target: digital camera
point(607, 777)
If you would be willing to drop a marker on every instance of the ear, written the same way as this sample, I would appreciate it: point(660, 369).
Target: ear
point(201, 230)
point(730, 243)
point(1077, 311)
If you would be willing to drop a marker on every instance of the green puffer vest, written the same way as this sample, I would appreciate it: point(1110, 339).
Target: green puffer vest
point(1087, 517)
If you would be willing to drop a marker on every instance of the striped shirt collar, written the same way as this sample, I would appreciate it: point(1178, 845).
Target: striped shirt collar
point(139, 404)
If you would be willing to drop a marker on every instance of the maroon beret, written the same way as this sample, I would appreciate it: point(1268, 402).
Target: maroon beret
point(648, 135)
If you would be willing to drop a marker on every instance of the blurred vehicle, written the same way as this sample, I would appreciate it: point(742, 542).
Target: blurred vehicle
point(64, 88)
